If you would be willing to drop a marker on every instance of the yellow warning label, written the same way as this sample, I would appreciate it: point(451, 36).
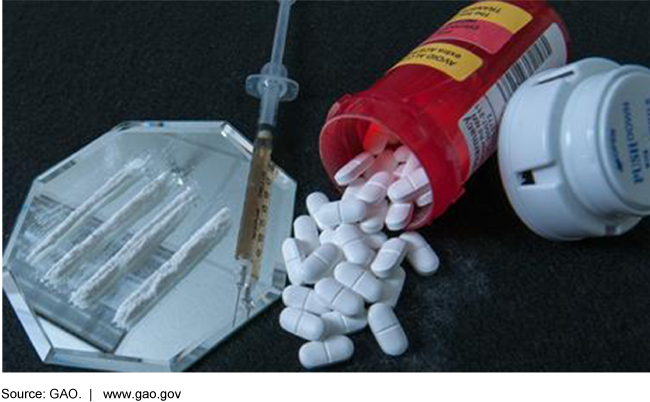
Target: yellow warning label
point(452, 60)
point(503, 14)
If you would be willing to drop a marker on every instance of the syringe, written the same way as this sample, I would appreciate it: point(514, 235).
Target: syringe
point(271, 86)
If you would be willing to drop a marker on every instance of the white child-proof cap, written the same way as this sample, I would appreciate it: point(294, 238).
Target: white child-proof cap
point(574, 150)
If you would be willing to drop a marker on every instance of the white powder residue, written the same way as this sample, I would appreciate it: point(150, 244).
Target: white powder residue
point(149, 196)
point(115, 186)
point(157, 229)
point(187, 256)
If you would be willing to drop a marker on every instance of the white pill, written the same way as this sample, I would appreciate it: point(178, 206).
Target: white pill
point(390, 256)
point(319, 262)
point(375, 141)
point(345, 211)
point(353, 189)
point(387, 330)
point(376, 187)
point(393, 286)
point(385, 162)
point(314, 202)
point(327, 236)
point(293, 255)
point(425, 199)
point(359, 281)
point(338, 297)
point(409, 187)
point(330, 351)
point(375, 217)
point(420, 255)
point(303, 298)
point(376, 240)
point(352, 241)
point(354, 168)
point(399, 215)
point(339, 324)
point(305, 230)
point(402, 153)
point(397, 173)
point(302, 323)
point(411, 164)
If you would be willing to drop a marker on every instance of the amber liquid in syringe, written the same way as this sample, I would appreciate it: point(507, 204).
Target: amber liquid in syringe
point(250, 243)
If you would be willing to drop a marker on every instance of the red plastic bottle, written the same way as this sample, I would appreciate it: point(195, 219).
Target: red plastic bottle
point(445, 98)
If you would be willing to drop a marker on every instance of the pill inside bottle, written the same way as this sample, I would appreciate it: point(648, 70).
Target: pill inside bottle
point(444, 99)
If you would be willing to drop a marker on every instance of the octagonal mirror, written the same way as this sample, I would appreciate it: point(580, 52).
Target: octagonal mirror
point(122, 257)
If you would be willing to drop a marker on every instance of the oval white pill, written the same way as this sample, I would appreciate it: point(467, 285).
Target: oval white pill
point(339, 324)
point(409, 187)
point(376, 240)
point(411, 164)
point(419, 254)
point(393, 286)
point(375, 217)
point(352, 242)
point(332, 350)
point(352, 190)
point(399, 216)
point(293, 257)
point(387, 330)
point(390, 256)
point(354, 168)
point(319, 262)
point(359, 281)
point(345, 211)
point(397, 173)
point(338, 297)
point(303, 298)
point(425, 199)
point(302, 323)
point(375, 141)
point(314, 202)
point(376, 187)
point(402, 153)
point(327, 236)
point(305, 230)
point(385, 162)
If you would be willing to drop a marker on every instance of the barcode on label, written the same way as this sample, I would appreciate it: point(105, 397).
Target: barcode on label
point(481, 122)
point(526, 66)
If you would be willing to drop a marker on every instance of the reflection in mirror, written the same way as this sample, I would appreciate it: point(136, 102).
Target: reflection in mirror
point(123, 255)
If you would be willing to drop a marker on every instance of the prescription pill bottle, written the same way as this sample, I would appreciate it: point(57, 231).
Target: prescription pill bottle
point(445, 98)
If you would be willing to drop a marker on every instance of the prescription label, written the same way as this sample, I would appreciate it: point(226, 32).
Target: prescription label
point(480, 124)
point(450, 59)
point(488, 25)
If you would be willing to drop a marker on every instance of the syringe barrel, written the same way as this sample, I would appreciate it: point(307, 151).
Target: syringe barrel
point(271, 93)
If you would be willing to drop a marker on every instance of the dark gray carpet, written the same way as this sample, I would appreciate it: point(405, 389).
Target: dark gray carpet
point(504, 299)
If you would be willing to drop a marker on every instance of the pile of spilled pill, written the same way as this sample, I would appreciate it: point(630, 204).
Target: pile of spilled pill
point(339, 261)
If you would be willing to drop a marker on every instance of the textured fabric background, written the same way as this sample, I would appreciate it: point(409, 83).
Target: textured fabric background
point(504, 298)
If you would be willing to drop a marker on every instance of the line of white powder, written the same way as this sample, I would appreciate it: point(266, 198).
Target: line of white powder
point(110, 190)
point(149, 196)
point(187, 256)
point(150, 235)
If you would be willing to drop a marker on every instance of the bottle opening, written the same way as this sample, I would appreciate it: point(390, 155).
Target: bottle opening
point(342, 139)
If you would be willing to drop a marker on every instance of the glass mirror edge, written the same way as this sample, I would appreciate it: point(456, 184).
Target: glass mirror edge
point(28, 319)
point(38, 336)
